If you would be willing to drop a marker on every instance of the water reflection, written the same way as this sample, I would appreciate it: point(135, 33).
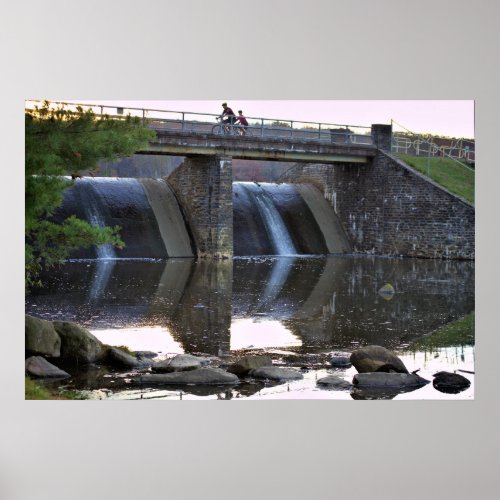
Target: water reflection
point(259, 334)
point(307, 303)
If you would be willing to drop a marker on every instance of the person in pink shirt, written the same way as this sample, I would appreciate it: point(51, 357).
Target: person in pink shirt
point(242, 121)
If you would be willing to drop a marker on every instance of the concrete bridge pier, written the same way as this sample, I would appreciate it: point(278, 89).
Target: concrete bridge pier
point(203, 186)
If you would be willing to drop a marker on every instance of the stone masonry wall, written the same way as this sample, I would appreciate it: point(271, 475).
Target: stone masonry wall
point(203, 186)
point(388, 208)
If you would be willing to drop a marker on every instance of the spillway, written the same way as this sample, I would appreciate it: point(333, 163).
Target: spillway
point(268, 219)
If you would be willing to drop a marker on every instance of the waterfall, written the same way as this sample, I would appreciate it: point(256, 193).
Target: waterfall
point(95, 218)
point(276, 229)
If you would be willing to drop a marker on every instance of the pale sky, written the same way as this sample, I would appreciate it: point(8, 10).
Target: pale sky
point(453, 118)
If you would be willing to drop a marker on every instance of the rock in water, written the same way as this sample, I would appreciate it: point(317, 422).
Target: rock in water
point(120, 358)
point(37, 366)
point(179, 363)
point(275, 373)
point(451, 383)
point(243, 365)
point(201, 376)
point(334, 382)
point(390, 380)
point(340, 362)
point(145, 354)
point(40, 337)
point(374, 358)
point(78, 345)
point(387, 291)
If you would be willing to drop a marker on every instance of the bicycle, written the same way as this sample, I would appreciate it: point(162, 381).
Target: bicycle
point(226, 128)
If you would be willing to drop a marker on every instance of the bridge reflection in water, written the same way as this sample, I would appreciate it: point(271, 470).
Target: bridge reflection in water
point(303, 303)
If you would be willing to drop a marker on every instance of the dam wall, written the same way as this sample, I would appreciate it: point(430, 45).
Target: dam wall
point(387, 208)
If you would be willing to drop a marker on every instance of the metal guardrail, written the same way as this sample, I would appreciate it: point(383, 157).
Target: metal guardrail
point(413, 144)
point(206, 123)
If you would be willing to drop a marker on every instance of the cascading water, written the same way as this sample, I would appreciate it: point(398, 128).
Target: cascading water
point(104, 252)
point(151, 224)
point(268, 219)
point(276, 229)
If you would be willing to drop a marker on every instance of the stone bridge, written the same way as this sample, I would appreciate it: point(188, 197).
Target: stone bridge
point(339, 148)
point(203, 182)
point(384, 206)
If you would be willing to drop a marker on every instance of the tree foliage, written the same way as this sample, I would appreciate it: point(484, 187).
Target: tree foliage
point(61, 142)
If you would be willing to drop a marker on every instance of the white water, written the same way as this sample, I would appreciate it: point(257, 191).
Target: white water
point(275, 227)
point(95, 218)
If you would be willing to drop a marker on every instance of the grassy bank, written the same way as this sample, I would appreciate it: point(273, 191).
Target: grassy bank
point(34, 390)
point(446, 172)
point(457, 333)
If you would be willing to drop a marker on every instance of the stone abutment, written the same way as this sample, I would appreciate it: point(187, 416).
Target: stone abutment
point(387, 208)
point(203, 186)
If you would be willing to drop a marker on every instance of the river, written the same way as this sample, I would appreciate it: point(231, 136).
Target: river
point(300, 310)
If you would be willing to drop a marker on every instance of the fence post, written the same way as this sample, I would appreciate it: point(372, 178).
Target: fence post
point(429, 160)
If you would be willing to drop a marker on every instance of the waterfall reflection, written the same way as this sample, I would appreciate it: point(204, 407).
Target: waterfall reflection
point(304, 303)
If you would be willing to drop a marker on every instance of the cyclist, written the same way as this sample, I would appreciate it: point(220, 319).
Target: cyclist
point(229, 114)
point(242, 121)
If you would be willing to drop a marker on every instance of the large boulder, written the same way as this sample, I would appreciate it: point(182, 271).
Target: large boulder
point(389, 380)
point(275, 373)
point(78, 345)
point(179, 363)
point(201, 376)
point(40, 337)
point(334, 382)
point(451, 383)
point(37, 366)
point(243, 365)
point(374, 358)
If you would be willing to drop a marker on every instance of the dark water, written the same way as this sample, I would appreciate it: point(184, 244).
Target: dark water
point(293, 307)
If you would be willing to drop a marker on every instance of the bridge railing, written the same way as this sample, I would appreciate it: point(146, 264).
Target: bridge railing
point(206, 123)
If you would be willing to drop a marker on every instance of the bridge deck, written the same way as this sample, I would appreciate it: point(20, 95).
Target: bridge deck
point(179, 143)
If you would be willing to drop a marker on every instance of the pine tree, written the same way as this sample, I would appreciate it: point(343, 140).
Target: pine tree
point(61, 142)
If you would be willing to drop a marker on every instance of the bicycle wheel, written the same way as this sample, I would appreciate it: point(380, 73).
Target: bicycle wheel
point(218, 129)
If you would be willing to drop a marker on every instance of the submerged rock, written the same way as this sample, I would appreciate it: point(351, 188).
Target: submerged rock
point(243, 365)
point(341, 362)
point(390, 380)
point(40, 337)
point(451, 383)
point(387, 291)
point(145, 354)
point(179, 363)
point(200, 376)
point(78, 345)
point(275, 373)
point(37, 366)
point(374, 358)
point(117, 357)
point(334, 382)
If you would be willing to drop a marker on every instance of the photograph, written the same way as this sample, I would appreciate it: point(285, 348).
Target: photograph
point(250, 249)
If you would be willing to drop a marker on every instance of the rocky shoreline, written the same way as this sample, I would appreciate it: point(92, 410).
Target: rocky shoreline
point(59, 350)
